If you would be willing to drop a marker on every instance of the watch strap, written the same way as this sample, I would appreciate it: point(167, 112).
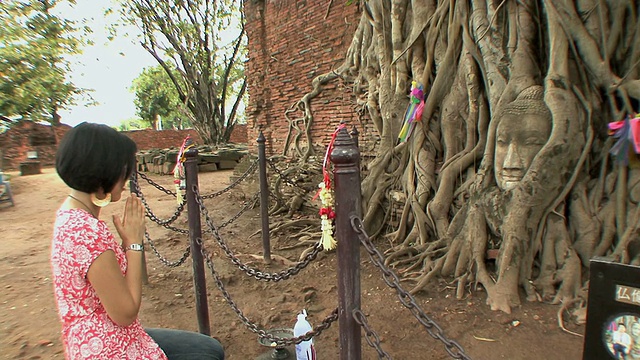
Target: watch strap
point(135, 247)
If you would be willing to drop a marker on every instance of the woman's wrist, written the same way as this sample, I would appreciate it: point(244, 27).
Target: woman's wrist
point(133, 247)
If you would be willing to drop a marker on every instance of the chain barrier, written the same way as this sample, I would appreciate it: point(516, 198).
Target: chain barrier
point(257, 274)
point(371, 336)
point(283, 176)
point(275, 340)
point(153, 217)
point(156, 185)
point(164, 260)
point(391, 279)
point(248, 205)
point(249, 171)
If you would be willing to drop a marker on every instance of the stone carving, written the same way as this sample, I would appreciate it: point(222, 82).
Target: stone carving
point(524, 127)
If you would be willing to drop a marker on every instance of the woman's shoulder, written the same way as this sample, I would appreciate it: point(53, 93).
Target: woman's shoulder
point(78, 219)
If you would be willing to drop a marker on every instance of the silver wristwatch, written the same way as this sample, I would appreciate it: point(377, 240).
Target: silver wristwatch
point(135, 247)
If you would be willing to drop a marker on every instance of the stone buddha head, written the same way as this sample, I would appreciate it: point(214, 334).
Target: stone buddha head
point(523, 129)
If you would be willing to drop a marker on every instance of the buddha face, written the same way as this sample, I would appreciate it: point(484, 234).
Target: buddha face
point(518, 140)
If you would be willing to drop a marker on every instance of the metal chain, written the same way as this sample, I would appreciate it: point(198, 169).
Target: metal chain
point(248, 205)
point(257, 274)
point(153, 217)
point(164, 260)
point(283, 176)
point(391, 279)
point(275, 340)
point(156, 185)
point(370, 335)
point(249, 171)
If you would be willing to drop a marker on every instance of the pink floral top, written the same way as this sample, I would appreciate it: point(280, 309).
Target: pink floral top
point(87, 330)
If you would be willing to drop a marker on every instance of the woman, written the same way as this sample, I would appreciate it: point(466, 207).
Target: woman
point(97, 281)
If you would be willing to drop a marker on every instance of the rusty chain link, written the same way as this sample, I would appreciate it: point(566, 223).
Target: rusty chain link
point(275, 340)
point(164, 260)
point(156, 185)
point(165, 223)
point(370, 335)
point(257, 274)
point(151, 215)
point(283, 176)
point(252, 168)
point(247, 206)
point(391, 279)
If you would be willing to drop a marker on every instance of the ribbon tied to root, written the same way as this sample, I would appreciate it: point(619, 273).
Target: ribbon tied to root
point(627, 147)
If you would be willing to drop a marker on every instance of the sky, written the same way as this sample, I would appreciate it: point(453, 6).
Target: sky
point(108, 67)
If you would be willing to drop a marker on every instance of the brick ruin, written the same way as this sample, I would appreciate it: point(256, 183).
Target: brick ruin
point(27, 136)
point(290, 42)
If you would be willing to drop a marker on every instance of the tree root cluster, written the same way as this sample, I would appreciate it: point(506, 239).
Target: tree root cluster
point(474, 59)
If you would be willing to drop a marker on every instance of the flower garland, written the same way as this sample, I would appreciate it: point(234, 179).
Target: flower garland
point(178, 171)
point(327, 215)
point(326, 198)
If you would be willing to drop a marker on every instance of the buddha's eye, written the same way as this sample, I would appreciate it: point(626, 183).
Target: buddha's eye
point(535, 141)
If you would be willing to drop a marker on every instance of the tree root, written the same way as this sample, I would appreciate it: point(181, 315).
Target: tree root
point(565, 306)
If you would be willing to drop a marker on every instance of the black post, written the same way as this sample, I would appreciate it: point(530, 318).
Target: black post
point(354, 136)
point(264, 197)
point(345, 157)
point(195, 232)
point(133, 185)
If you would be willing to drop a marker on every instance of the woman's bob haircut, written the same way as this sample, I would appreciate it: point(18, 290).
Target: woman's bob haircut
point(94, 156)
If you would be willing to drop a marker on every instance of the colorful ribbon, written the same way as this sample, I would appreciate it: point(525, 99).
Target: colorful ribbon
point(413, 113)
point(627, 132)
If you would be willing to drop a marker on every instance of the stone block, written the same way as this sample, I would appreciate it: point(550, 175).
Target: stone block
point(227, 164)
point(207, 167)
point(209, 158)
point(167, 168)
point(30, 168)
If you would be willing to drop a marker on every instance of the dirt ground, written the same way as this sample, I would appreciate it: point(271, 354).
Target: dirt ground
point(29, 327)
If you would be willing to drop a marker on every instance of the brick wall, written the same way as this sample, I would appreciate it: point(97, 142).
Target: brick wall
point(290, 42)
point(29, 136)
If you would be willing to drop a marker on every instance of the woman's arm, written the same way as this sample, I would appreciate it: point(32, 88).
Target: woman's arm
point(121, 295)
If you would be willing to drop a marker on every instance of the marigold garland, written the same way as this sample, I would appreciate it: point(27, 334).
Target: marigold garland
point(326, 198)
point(327, 215)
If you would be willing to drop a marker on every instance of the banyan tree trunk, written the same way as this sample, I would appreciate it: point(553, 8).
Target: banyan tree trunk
point(506, 180)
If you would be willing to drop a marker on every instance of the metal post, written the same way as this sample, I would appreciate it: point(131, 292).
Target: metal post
point(354, 136)
point(195, 232)
point(264, 197)
point(133, 185)
point(345, 157)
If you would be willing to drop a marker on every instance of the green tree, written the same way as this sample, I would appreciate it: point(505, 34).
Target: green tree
point(33, 68)
point(187, 40)
point(131, 124)
point(156, 99)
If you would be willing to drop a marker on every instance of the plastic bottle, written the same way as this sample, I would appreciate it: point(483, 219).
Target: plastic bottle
point(304, 350)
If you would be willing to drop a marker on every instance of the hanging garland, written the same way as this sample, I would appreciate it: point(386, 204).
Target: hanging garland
point(178, 171)
point(326, 198)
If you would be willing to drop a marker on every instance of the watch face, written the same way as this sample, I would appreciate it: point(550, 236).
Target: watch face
point(135, 247)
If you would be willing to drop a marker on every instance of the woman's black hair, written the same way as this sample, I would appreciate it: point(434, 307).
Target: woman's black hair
point(93, 156)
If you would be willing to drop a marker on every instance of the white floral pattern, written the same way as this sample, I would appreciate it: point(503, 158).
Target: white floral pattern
point(87, 330)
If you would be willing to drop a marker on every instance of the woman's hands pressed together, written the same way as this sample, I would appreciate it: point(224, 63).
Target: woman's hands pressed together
point(131, 227)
